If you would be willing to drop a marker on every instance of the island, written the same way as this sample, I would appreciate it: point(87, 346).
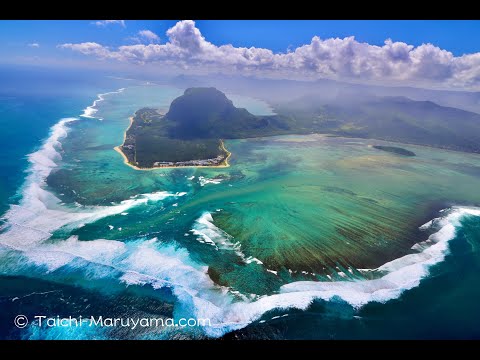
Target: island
point(395, 150)
point(191, 133)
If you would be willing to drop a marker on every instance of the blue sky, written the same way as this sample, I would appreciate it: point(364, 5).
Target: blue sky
point(455, 37)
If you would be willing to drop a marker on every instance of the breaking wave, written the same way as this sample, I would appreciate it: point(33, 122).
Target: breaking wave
point(90, 111)
point(395, 277)
point(149, 262)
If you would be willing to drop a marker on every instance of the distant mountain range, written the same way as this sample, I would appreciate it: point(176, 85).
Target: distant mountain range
point(397, 119)
point(279, 90)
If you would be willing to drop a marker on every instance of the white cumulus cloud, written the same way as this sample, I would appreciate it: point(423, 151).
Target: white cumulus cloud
point(148, 35)
point(34, 45)
point(345, 59)
point(104, 23)
point(88, 48)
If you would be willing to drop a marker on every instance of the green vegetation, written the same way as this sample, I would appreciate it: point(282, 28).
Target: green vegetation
point(395, 150)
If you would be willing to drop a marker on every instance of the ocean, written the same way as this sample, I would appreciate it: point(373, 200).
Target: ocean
point(302, 237)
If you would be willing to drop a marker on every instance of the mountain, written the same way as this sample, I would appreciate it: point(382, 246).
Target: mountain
point(418, 122)
point(202, 113)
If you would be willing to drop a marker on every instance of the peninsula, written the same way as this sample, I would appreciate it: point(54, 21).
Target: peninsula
point(191, 133)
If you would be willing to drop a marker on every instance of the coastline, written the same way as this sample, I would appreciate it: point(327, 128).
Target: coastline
point(224, 163)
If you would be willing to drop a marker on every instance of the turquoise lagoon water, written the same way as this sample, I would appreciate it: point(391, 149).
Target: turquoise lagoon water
point(301, 237)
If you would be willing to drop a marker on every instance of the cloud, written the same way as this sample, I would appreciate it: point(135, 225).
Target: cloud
point(88, 48)
point(104, 23)
point(144, 36)
point(395, 63)
point(34, 45)
point(148, 36)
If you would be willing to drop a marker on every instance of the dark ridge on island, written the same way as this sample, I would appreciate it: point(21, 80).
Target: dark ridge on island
point(191, 133)
point(395, 150)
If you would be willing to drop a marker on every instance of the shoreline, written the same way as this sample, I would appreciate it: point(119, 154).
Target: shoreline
point(224, 163)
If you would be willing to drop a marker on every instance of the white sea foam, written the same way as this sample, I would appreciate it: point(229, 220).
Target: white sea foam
point(155, 196)
point(23, 220)
point(90, 111)
point(140, 262)
point(51, 260)
point(208, 233)
point(157, 265)
point(204, 181)
point(251, 259)
point(44, 159)
point(40, 213)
